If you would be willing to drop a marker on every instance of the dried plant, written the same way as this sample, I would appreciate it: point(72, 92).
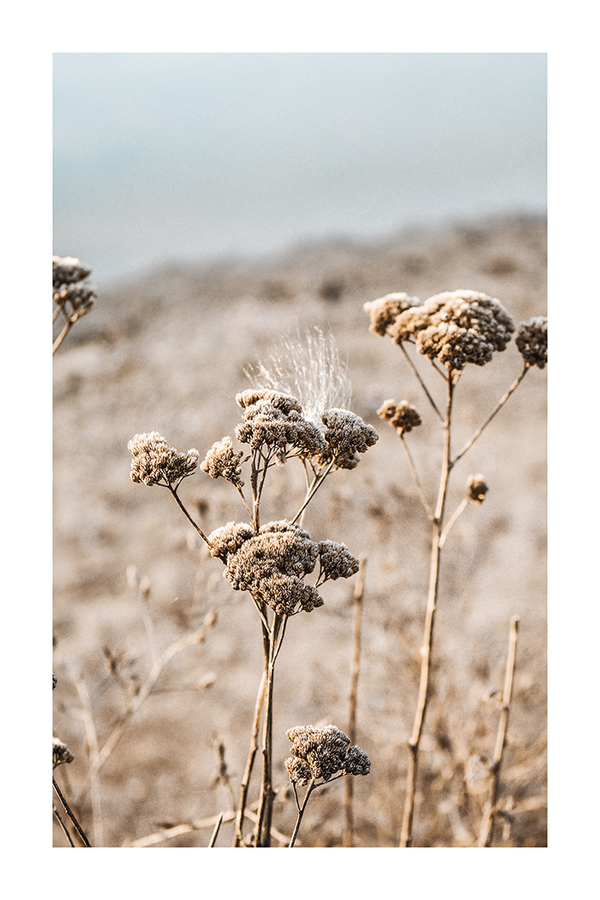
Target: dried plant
point(272, 562)
point(72, 297)
point(451, 329)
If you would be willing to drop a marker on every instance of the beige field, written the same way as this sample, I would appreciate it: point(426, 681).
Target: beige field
point(167, 353)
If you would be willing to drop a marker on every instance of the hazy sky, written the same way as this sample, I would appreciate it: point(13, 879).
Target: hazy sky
point(192, 156)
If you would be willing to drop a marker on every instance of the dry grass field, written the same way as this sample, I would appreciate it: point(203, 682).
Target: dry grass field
point(167, 353)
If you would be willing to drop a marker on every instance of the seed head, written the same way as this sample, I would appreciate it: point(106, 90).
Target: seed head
point(154, 462)
point(477, 489)
point(385, 311)
point(336, 561)
point(455, 328)
point(403, 417)
point(532, 341)
point(275, 421)
point(323, 753)
point(346, 435)
point(68, 270)
point(223, 461)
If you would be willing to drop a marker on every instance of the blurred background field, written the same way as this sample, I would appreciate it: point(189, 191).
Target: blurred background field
point(222, 201)
point(167, 353)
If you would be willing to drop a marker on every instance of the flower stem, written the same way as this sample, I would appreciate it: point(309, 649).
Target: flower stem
point(301, 808)
point(426, 649)
point(496, 409)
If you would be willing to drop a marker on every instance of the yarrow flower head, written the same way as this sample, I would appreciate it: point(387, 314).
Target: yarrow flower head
point(323, 753)
point(532, 341)
point(402, 416)
point(275, 421)
point(385, 311)
point(154, 462)
point(272, 563)
point(223, 461)
point(455, 328)
point(346, 435)
point(74, 298)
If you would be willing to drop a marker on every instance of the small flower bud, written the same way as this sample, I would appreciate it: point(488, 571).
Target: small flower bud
point(477, 489)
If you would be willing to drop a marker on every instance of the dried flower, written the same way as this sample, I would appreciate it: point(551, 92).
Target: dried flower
point(229, 538)
point(271, 564)
point(68, 270)
point(60, 753)
point(336, 561)
point(275, 421)
point(532, 341)
point(323, 753)
point(455, 327)
point(385, 311)
point(223, 461)
point(403, 417)
point(153, 460)
point(346, 435)
point(477, 489)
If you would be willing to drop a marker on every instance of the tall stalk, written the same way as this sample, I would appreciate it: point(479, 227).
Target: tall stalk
point(426, 649)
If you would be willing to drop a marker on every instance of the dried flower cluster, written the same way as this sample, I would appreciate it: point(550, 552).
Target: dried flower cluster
point(385, 311)
point(272, 563)
point(73, 298)
point(402, 416)
point(532, 341)
point(455, 327)
point(346, 435)
point(154, 462)
point(224, 462)
point(276, 421)
point(323, 753)
point(477, 488)
point(60, 753)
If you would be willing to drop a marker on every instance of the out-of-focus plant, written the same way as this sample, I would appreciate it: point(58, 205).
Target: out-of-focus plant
point(72, 297)
point(451, 329)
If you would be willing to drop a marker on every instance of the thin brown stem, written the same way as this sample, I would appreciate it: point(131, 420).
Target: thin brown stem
point(422, 383)
point(496, 410)
point(70, 814)
point(452, 521)
point(194, 525)
point(267, 794)
point(415, 476)
point(353, 699)
point(301, 807)
point(428, 631)
point(485, 836)
point(239, 821)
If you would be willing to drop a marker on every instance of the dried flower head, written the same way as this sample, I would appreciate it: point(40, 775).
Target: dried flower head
point(60, 753)
point(323, 753)
point(455, 328)
point(224, 462)
point(274, 422)
point(385, 311)
point(532, 341)
point(68, 270)
point(346, 435)
point(477, 488)
point(307, 367)
point(336, 561)
point(402, 416)
point(229, 538)
point(154, 462)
